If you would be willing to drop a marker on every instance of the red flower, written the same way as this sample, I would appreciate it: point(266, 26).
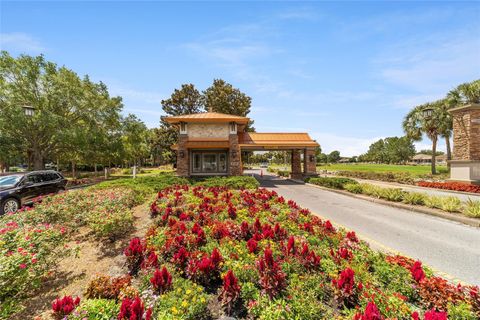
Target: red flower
point(22, 266)
point(272, 278)
point(417, 271)
point(161, 280)
point(291, 245)
point(434, 315)
point(230, 291)
point(134, 253)
point(131, 309)
point(252, 245)
point(232, 212)
point(371, 313)
point(64, 306)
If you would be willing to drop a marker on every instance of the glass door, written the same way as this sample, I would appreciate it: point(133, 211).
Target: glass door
point(210, 162)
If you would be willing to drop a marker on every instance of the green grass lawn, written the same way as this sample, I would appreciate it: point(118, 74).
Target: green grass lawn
point(415, 170)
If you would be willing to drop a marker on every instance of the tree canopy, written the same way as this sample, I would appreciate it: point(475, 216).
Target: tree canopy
point(72, 119)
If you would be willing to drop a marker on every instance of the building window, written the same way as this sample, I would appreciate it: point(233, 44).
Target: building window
point(233, 128)
point(183, 128)
point(197, 162)
point(211, 162)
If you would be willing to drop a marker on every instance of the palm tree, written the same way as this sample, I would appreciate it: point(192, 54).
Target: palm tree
point(419, 121)
point(445, 124)
point(465, 93)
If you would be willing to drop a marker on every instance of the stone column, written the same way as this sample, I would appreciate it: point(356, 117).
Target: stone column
point(183, 163)
point(465, 163)
point(296, 165)
point(309, 163)
point(235, 157)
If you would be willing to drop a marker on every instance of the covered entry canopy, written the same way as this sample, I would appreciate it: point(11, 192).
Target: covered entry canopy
point(275, 141)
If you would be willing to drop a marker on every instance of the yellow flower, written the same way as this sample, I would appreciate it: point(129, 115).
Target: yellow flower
point(174, 310)
point(202, 299)
point(188, 291)
point(179, 290)
point(184, 304)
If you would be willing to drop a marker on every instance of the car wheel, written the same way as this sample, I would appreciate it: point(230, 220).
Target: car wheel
point(10, 205)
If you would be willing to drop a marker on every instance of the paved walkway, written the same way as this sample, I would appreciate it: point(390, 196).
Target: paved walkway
point(451, 248)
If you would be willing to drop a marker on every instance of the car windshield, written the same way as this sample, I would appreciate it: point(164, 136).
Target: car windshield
point(9, 181)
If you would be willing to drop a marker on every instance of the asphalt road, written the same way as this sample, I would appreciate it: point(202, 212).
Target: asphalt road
point(450, 248)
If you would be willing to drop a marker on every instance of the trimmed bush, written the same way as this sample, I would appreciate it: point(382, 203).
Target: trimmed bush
point(415, 198)
point(234, 182)
point(392, 194)
point(472, 208)
point(451, 204)
point(353, 187)
point(334, 183)
point(400, 177)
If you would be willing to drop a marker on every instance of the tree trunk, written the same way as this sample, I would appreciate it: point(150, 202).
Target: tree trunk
point(58, 165)
point(434, 152)
point(74, 170)
point(37, 160)
point(449, 151)
point(95, 169)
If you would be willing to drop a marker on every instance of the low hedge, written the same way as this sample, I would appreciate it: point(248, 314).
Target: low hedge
point(399, 177)
point(234, 182)
point(330, 182)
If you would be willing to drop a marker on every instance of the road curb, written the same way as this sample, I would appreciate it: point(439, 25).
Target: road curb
point(437, 213)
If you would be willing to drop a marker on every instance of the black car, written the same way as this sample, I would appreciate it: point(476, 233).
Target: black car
point(19, 189)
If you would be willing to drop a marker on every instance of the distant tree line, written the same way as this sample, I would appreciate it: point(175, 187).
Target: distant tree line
point(389, 150)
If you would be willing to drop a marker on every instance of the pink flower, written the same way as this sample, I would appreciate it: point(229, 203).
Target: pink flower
point(22, 266)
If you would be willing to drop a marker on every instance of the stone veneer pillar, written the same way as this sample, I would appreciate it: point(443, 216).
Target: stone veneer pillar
point(465, 163)
point(235, 157)
point(309, 163)
point(183, 161)
point(296, 165)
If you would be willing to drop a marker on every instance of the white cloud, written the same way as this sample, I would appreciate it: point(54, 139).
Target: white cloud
point(430, 67)
point(22, 42)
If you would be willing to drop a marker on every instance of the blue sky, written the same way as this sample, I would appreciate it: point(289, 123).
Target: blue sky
point(346, 72)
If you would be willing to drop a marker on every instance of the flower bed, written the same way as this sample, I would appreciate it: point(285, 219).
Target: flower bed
point(28, 250)
point(456, 186)
point(252, 254)
point(107, 212)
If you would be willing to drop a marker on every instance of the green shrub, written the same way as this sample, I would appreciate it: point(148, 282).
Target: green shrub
point(371, 190)
point(433, 202)
point(353, 187)
point(234, 182)
point(329, 182)
point(416, 198)
point(283, 173)
point(400, 177)
point(391, 194)
point(472, 208)
point(96, 309)
point(451, 204)
point(29, 249)
point(462, 311)
point(193, 306)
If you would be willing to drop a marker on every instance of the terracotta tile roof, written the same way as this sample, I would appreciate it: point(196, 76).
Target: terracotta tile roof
point(207, 117)
point(252, 139)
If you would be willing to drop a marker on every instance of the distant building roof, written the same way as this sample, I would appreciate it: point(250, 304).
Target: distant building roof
point(207, 117)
